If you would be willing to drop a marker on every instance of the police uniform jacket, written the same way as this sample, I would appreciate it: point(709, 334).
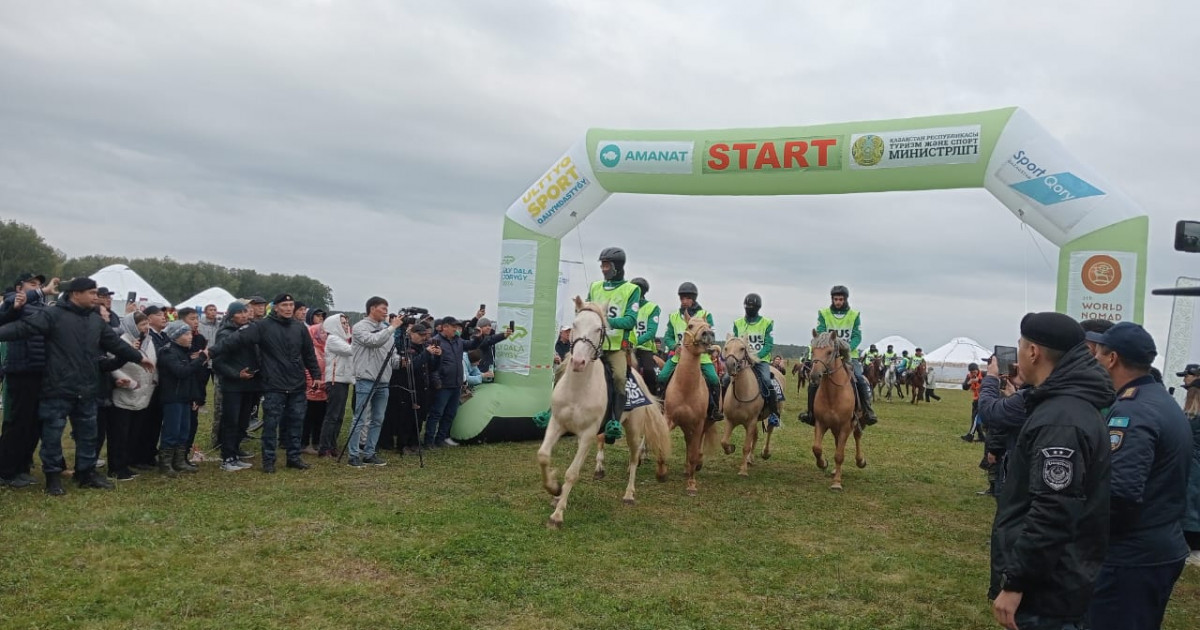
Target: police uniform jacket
point(1051, 527)
point(1151, 444)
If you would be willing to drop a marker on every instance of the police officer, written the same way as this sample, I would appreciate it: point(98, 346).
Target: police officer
point(1051, 523)
point(845, 320)
point(642, 336)
point(676, 325)
point(757, 331)
point(1151, 443)
point(622, 299)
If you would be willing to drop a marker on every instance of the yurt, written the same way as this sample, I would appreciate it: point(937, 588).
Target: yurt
point(123, 282)
point(950, 361)
point(216, 295)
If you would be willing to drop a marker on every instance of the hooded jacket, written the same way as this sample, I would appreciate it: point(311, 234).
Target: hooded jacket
point(285, 351)
point(74, 337)
point(228, 364)
point(338, 365)
point(27, 356)
point(318, 336)
point(1051, 528)
point(137, 396)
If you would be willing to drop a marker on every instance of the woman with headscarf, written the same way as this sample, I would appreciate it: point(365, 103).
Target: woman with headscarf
point(339, 374)
point(314, 414)
point(130, 402)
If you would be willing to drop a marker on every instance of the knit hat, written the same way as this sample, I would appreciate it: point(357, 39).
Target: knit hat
point(176, 329)
point(235, 307)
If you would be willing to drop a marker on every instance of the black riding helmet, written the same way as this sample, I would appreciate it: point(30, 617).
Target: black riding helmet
point(616, 256)
point(641, 284)
point(752, 304)
point(841, 290)
point(689, 289)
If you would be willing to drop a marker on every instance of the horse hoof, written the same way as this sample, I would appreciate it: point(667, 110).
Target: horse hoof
point(742, 473)
point(836, 486)
point(661, 478)
point(861, 463)
point(691, 492)
point(553, 524)
point(728, 448)
point(598, 476)
point(699, 466)
point(766, 454)
point(629, 501)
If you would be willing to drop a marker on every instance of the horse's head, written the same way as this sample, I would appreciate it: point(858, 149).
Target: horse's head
point(587, 334)
point(737, 355)
point(699, 335)
point(826, 352)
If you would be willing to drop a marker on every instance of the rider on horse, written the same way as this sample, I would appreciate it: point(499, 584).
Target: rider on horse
point(845, 320)
point(901, 366)
point(642, 336)
point(889, 357)
point(871, 355)
point(757, 330)
point(621, 301)
point(677, 323)
point(915, 361)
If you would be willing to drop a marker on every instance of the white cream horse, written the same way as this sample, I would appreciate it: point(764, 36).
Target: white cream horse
point(578, 406)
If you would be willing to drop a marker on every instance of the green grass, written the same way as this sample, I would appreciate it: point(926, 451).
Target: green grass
point(462, 543)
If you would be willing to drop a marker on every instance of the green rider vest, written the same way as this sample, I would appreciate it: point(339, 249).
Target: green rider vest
point(755, 334)
point(618, 300)
point(844, 325)
point(678, 326)
point(643, 320)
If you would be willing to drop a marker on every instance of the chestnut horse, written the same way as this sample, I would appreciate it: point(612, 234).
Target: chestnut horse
point(801, 369)
point(743, 403)
point(578, 405)
point(834, 408)
point(874, 374)
point(686, 398)
point(915, 379)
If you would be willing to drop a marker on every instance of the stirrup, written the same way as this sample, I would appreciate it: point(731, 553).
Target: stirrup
point(613, 431)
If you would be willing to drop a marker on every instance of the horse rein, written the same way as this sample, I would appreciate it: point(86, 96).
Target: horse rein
point(596, 351)
point(828, 371)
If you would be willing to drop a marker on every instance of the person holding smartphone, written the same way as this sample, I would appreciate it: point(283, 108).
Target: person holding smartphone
point(237, 377)
point(487, 346)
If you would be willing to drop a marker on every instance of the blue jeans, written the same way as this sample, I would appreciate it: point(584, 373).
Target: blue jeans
point(370, 419)
point(285, 411)
point(177, 419)
point(53, 413)
point(1132, 597)
point(441, 415)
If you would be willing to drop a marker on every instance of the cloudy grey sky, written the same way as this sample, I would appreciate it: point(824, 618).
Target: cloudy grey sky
point(376, 145)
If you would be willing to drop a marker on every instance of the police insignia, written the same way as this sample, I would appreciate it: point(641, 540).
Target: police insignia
point(1057, 469)
point(1128, 393)
point(1119, 422)
point(1115, 439)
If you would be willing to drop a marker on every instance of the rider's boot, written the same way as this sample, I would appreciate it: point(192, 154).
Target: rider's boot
point(714, 403)
point(807, 416)
point(864, 393)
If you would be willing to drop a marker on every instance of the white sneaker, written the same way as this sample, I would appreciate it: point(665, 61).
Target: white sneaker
point(449, 442)
point(100, 463)
point(1194, 558)
point(233, 465)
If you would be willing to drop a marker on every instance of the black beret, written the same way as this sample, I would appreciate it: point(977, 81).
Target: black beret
point(283, 297)
point(1052, 330)
point(79, 285)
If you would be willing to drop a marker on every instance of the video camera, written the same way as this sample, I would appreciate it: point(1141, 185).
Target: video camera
point(409, 314)
point(1187, 239)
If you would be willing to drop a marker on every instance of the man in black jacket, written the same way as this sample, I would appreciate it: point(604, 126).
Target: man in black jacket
point(446, 377)
point(75, 336)
point(285, 351)
point(487, 347)
point(1051, 526)
point(24, 368)
point(237, 377)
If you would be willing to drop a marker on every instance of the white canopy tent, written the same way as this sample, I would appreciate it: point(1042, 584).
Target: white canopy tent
point(215, 295)
point(951, 360)
point(122, 281)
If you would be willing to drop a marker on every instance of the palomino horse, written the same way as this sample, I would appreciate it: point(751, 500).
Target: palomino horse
point(578, 406)
point(743, 403)
point(916, 382)
point(686, 398)
point(833, 407)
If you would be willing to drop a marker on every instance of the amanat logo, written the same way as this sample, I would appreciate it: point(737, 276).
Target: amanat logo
point(1101, 274)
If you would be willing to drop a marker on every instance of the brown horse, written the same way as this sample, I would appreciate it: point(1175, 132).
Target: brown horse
point(874, 374)
point(915, 379)
point(834, 408)
point(743, 403)
point(686, 398)
point(801, 369)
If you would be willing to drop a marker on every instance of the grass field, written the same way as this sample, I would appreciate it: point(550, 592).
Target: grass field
point(462, 543)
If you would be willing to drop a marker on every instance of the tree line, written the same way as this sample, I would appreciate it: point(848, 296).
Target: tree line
point(23, 249)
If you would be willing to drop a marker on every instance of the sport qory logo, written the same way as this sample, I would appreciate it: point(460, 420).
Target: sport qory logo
point(1057, 188)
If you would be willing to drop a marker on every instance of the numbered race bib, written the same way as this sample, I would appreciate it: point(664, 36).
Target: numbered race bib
point(634, 397)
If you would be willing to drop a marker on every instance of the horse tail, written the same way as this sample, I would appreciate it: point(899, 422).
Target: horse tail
point(658, 435)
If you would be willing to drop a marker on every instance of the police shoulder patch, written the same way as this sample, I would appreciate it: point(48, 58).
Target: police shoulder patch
point(1057, 468)
point(1115, 439)
point(1120, 422)
point(1129, 393)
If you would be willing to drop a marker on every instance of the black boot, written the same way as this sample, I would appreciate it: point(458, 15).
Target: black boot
point(864, 394)
point(179, 461)
point(92, 479)
point(714, 403)
point(807, 417)
point(54, 485)
point(164, 462)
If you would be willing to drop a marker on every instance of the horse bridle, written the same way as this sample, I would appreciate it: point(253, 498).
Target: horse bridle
point(596, 351)
point(828, 371)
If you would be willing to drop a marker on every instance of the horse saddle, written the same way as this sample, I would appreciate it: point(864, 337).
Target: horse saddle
point(771, 390)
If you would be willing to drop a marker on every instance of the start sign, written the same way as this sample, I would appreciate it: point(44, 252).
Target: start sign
point(770, 156)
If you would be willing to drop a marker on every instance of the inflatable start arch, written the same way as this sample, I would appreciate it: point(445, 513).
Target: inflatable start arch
point(1101, 233)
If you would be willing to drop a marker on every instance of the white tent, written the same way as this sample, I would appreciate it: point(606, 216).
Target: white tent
point(899, 344)
point(215, 295)
point(122, 281)
point(951, 360)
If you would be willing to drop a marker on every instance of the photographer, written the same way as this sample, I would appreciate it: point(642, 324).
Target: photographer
point(487, 347)
point(447, 379)
point(412, 387)
point(1001, 410)
point(372, 341)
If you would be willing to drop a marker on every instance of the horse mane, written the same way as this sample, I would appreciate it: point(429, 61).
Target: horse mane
point(825, 340)
point(598, 309)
